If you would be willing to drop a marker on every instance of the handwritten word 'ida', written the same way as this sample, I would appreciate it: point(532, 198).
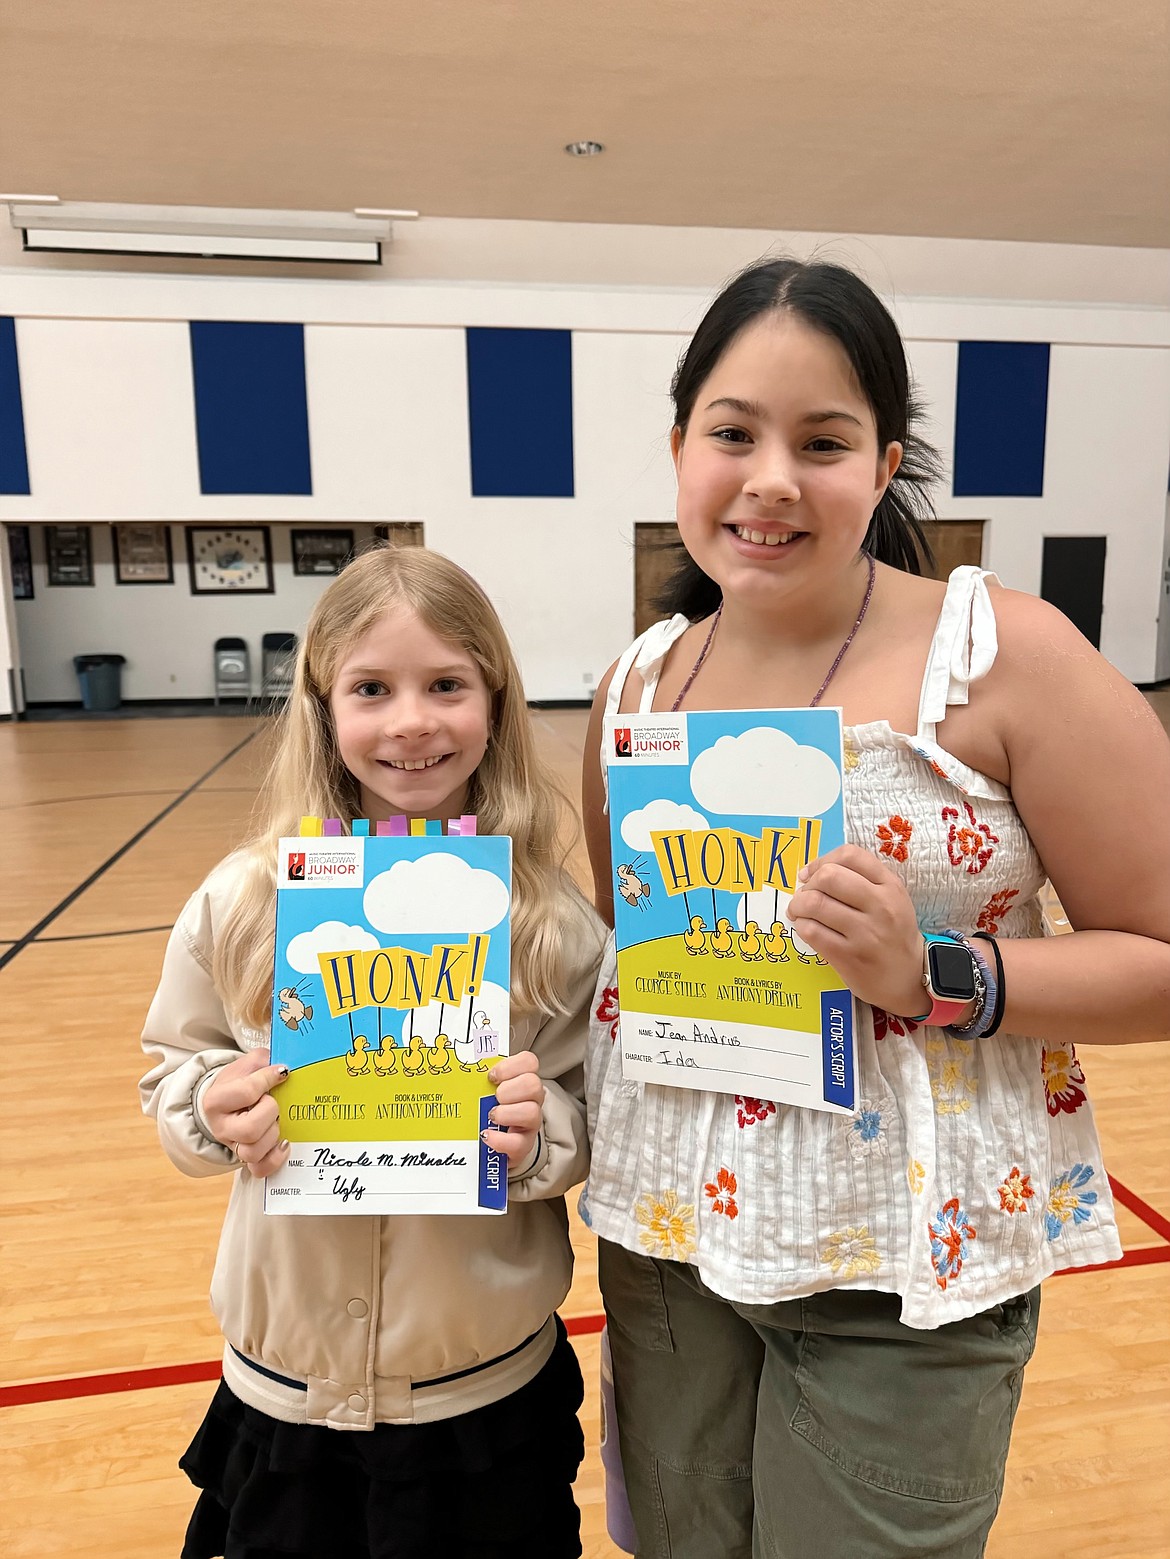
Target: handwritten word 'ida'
point(398, 977)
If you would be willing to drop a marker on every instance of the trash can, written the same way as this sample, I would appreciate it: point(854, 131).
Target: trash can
point(101, 680)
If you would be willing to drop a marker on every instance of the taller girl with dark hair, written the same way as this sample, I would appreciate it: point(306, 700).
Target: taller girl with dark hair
point(819, 1322)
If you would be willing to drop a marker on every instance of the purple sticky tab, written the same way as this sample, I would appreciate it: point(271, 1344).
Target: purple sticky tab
point(467, 824)
point(399, 827)
point(331, 828)
point(452, 827)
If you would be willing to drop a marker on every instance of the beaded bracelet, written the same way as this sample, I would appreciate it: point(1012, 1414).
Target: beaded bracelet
point(1000, 987)
point(985, 998)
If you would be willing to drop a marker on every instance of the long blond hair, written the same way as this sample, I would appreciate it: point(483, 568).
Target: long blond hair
point(511, 791)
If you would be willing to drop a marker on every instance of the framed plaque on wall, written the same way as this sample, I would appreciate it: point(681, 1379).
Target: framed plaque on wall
point(69, 554)
point(20, 561)
point(322, 551)
point(142, 555)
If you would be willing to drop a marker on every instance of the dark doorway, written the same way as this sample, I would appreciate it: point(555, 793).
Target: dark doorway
point(1073, 578)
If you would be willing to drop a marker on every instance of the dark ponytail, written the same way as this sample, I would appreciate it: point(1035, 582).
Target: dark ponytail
point(835, 301)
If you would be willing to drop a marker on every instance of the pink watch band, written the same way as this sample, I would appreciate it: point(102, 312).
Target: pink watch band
point(942, 1013)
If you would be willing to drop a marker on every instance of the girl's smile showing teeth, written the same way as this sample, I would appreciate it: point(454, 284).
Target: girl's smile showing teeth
point(766, 538)
point(414, 763)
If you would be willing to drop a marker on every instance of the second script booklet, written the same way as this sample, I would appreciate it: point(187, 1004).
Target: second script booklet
point(390, 1005)
point(712, 814)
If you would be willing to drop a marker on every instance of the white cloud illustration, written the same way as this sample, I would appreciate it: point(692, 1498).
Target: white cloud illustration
point(656, 816)
point(331, 936)
point(436, 893)
point(765, 773)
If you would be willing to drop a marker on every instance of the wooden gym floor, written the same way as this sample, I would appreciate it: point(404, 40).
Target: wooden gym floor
point(108, 1346)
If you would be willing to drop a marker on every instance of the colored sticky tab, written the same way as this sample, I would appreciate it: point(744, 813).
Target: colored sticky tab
point(331, 828)
point(434, 826)
point(453, 827)
point(382, 830)
point(310, 828)
point(467, 824)
point(418, 827)
point(398, 827)
point(360, 828)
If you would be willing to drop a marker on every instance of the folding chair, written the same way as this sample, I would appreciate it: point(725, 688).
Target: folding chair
point(278, 653)
point(233, 669)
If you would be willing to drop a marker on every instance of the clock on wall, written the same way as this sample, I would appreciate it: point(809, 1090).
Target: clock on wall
point(229, 559)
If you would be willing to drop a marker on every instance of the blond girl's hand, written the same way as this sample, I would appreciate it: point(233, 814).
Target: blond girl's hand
point(242, 1114)
point(519, 1106)
point(856, 913)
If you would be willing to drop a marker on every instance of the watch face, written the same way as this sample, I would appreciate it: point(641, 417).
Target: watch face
point(952, 973)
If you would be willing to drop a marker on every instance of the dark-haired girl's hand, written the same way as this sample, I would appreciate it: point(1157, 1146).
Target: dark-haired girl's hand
point(519, 1106)
point(856, 913)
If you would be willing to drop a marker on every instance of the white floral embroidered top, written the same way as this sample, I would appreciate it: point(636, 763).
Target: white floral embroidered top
point(971, 1169)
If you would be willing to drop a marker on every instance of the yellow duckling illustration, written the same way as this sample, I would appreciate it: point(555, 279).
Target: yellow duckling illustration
point(439, 1057)
point(358, 1061)
point(695, 939)
point(385, 1058)
point(750, 946)
point(414, 1057)
point(721, 938)
point(776, 943)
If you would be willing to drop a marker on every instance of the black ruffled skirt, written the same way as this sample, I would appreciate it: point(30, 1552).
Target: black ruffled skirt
point(494, 1483)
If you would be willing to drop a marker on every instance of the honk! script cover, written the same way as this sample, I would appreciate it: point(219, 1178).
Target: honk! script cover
point(390, 1004)
point(712, 814)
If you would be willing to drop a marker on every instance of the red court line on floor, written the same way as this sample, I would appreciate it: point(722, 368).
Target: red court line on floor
point(581, 1325)
point(576, 1325)
point(103, 1385)
point(1147, 1256)
point(72, 1386)
point(1148, 1215)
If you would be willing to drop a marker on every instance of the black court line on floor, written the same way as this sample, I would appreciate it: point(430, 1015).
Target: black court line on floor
point(34, 932)
point(95, 936)
point(112, 795)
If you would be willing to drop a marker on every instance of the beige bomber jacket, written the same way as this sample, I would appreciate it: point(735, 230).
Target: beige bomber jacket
point(354, 1320)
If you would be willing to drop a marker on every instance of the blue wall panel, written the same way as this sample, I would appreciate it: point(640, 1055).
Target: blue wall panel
point(251, 414)
point(1001, 413)
point(13, 453)
point(520, 408)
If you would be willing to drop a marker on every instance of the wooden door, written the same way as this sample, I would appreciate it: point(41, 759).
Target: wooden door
point(954, 542)
point(403, 533)
point(656, 554)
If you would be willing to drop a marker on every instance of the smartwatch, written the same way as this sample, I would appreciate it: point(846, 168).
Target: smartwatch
point(952, 977)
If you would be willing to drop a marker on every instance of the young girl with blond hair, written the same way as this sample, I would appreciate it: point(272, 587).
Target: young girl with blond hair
point(435, 1338)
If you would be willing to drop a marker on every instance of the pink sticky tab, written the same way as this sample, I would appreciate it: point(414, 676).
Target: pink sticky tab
point(382, 829)
point(331, 828)
point(467, 823)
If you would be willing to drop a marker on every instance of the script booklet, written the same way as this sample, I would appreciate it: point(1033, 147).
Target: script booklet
point(390, 1005)
point(712, 814)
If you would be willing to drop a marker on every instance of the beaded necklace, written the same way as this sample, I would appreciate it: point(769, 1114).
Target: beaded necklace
point(820, 692)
